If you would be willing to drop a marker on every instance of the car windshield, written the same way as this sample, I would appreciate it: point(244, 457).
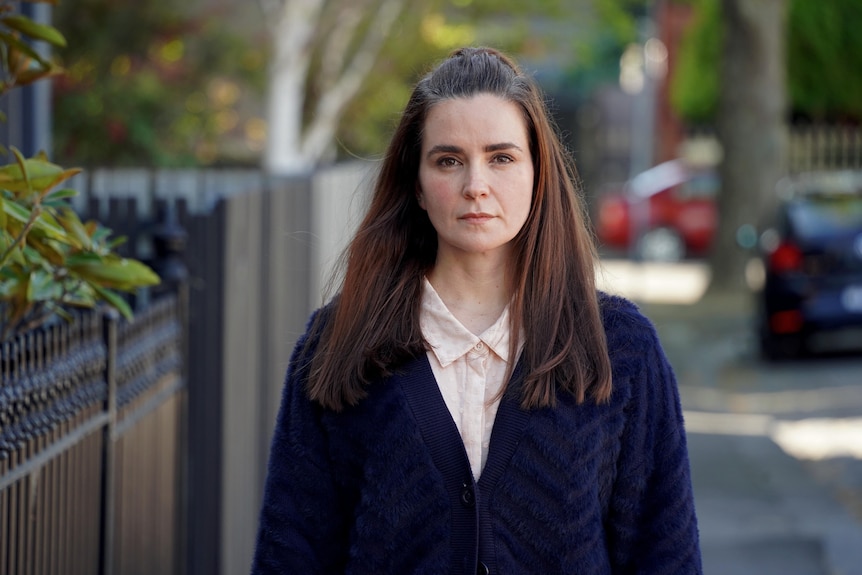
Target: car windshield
point(817, 216)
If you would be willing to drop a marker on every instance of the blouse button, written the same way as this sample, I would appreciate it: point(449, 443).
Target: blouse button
point(480, 346)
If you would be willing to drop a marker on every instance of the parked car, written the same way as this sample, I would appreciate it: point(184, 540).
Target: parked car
point(812, 259)
point(665, 213)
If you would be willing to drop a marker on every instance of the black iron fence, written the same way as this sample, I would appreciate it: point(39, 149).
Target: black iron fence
point(91, 445)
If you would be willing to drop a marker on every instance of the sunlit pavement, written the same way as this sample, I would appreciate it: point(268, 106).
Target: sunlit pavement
point(671, 283)
point(776, 449)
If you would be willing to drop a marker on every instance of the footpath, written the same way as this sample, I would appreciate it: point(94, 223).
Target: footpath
point(761, 510)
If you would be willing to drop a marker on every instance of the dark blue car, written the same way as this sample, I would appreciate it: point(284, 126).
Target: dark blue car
point(812, 256)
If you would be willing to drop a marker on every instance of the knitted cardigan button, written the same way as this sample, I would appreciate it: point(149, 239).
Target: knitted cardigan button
point(468, 499)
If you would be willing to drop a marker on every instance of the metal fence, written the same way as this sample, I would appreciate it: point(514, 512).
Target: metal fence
point(810, 148)
point(823, 148)
point(91, 441)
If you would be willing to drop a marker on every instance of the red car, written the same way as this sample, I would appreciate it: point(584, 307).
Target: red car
point(666, 213)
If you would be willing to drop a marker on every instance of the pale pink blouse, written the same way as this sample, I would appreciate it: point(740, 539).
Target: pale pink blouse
point(469, 370)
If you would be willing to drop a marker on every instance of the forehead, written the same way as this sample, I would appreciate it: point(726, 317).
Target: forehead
point(484, 117)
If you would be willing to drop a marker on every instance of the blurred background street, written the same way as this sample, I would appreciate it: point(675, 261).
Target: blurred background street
point(776, 448)
point(234, 143)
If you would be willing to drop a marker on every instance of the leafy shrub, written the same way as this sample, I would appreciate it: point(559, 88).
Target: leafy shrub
point(50, 260)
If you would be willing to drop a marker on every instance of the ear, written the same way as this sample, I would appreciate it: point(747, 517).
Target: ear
point(419, 197)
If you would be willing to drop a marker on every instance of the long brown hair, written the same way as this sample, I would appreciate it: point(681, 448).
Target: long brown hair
point(373, 325)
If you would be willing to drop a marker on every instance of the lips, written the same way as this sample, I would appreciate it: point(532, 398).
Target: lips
point(476, 217)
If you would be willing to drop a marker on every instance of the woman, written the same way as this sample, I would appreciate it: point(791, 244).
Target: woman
point(469, 402)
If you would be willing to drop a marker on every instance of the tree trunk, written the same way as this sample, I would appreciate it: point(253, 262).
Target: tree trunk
point(751, 126)
point(292, 25)
point(350, 49)
point(286, 93)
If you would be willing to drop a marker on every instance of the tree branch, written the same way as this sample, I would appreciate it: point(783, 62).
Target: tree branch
point(292, 24)
point(331, 105)
point(34, 215)
point(338, 41)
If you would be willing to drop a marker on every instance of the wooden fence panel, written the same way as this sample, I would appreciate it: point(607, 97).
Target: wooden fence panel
point(286, 298)
point(242, 316)
point(338, 200)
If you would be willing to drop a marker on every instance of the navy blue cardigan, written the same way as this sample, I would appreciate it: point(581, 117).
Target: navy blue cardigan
point(385, 487)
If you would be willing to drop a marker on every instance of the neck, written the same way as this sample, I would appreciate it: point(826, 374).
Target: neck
point(476, 295)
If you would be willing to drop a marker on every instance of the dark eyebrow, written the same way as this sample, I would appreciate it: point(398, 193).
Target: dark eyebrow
point(502, 146)
point(449, 149)
point(444, 149)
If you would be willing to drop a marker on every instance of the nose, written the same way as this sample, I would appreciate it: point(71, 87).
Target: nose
point(476, 184)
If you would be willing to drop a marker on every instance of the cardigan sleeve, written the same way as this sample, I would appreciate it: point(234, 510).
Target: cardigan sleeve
point(653, 524)
point(300, 528)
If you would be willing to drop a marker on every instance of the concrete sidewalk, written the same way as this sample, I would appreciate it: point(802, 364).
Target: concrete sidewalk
point(761, 511)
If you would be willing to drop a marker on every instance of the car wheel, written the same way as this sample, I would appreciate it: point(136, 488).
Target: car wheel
point(661, 245)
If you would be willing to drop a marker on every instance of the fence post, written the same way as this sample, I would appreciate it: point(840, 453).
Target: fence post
point(109, 327)
point(169, 246)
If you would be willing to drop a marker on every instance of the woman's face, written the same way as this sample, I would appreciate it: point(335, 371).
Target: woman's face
point(475, 175)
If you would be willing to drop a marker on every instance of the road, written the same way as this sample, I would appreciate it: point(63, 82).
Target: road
point(776, 449)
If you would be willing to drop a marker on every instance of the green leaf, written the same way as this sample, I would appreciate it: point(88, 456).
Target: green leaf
point(9, 287)
point(22, 166)
point(62, 194)
point(43, 222)
point(17, 211)
point(116, 301)
point(35, 30)
point(118, 241)
point(2, 213)
point(49, 249)
point(42, 287)
point(84, 258)
point(69, 221)
point(61, 312)
point(32, 175)
point(117, 273)
point(28, 77)
point(80, 294)
point(100, 234)
point(13, 42)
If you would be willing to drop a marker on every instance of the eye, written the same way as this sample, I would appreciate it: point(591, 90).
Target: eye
point(503, 159)
point(447, 162)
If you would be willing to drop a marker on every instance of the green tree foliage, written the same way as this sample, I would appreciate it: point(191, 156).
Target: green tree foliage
point(151, 85)
point(695, 85)
point(824, 56)
point(585, 38)
point(49, 259)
